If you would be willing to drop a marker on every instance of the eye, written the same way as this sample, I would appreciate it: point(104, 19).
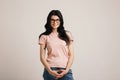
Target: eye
point(55, 20)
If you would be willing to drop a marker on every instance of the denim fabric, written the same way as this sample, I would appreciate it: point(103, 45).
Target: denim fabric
point(48, 76)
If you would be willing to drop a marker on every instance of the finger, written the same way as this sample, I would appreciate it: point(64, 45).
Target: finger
point(56, 77)
point(62, 70)
point(55, 73)
point(62, 73)
point(59, 76)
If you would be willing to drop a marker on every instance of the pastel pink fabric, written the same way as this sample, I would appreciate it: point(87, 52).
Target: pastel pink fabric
point(57, 49)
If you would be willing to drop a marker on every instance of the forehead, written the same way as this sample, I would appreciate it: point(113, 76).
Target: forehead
point(54, 17)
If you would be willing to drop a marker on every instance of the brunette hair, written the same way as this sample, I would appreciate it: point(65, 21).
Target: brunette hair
point(60, 30)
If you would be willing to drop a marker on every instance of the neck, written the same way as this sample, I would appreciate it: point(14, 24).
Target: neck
point(54, 30)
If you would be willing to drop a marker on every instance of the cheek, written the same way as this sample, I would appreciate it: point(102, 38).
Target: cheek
point(50, 23)
point(58, 24)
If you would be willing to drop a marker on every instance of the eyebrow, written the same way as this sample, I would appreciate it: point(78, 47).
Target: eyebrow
point(54, 19)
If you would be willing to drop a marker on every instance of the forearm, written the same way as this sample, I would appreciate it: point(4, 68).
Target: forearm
point(43, 59)
point(70, 62)
point(71, 56)
point(45, 63)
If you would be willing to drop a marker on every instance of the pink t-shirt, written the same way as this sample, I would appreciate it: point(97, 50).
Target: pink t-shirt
point(56, 48)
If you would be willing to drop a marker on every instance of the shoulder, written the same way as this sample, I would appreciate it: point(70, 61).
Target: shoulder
point(42, 39)
point(68, 33)
point(43, 36)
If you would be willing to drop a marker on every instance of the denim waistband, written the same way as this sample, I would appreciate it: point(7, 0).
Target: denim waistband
point(57, 68)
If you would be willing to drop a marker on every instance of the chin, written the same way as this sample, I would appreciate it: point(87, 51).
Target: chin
point(55, 27)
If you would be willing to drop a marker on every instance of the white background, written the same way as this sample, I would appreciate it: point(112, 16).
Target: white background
point(94, 24)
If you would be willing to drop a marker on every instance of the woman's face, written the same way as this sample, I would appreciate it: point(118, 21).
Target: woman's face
point(55, 21)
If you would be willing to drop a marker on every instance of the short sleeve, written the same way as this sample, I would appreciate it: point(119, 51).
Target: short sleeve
point(42, 40)
point(70, 35)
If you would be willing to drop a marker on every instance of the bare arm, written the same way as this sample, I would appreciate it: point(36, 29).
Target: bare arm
point(42, 57)
point(71, 52)
point(45, 63)
point(70, 59)
point(71, 56)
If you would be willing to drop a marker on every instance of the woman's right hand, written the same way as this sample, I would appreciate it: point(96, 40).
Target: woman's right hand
point(55, 73)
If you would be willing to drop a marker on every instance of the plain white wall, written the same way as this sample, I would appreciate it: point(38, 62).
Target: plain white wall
point(95, 25)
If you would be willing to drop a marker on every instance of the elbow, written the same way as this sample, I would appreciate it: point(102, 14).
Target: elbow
point(71, 56)
point(42, 58)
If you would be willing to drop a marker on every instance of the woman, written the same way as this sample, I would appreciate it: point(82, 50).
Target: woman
point(59, 45)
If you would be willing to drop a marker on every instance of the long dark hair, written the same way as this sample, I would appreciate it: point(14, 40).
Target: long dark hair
point(60, 30)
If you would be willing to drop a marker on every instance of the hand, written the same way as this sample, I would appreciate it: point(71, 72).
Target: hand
point(55, 73)
point(62, 73)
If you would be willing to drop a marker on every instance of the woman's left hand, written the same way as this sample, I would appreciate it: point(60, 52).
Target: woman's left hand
point(63, 72)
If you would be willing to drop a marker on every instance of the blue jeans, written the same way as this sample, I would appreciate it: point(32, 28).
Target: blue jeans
point(48, 76)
